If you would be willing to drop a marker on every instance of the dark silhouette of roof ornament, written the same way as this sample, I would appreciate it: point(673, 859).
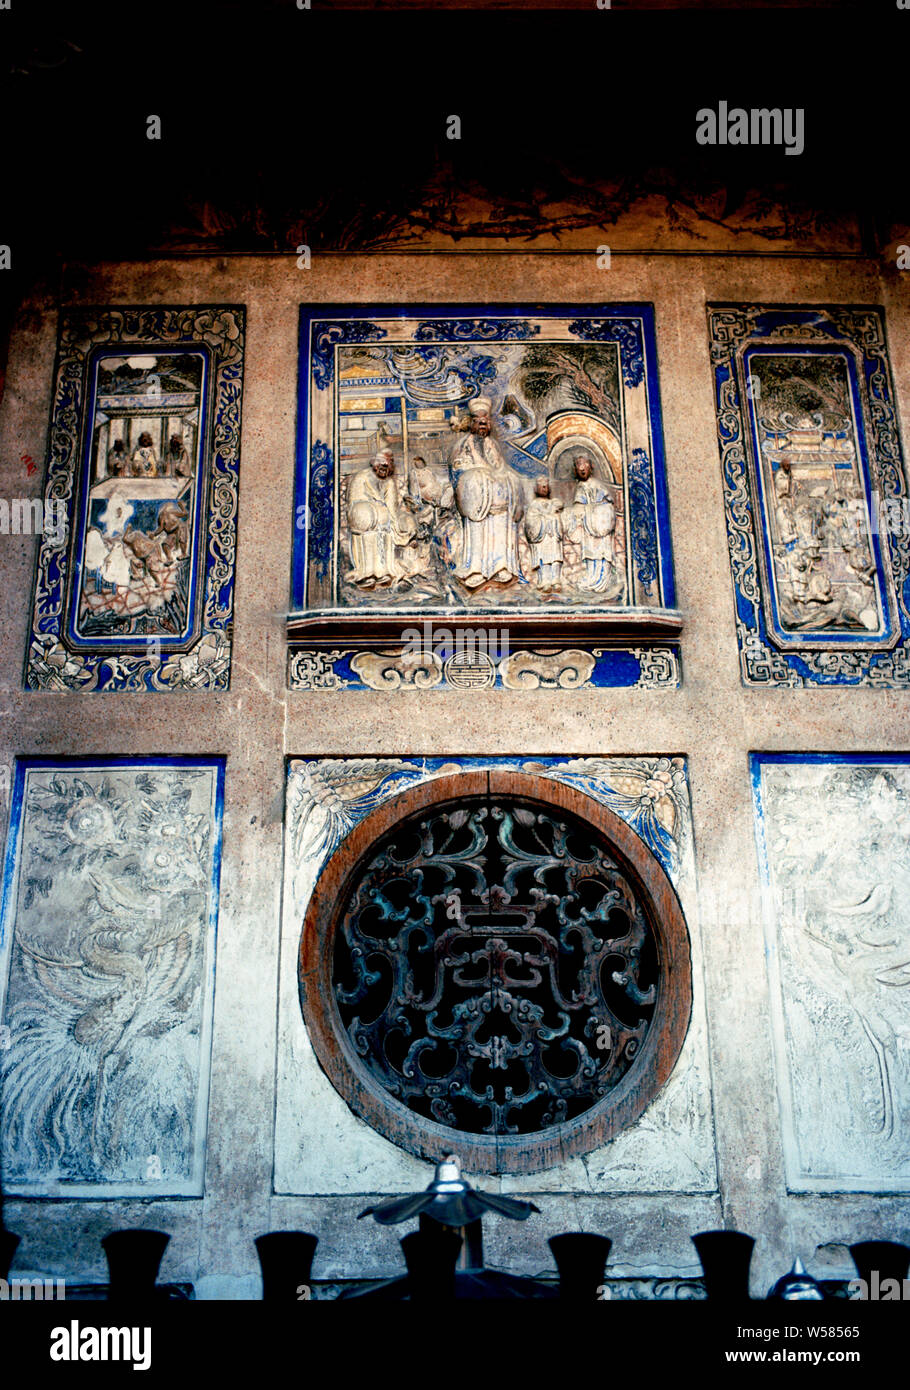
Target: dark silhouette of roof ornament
point(444, 1257)
point(725, 1259)
point(134, 1259)
point(449, 1199)
point(798, 1286)
point(581, 1259)
point(878, 1260)
point(9, 1244)
point(286, 1260)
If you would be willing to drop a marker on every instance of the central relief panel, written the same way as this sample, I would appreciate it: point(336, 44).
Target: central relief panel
point(504, 468)
point(455, 521)
point(495, 954)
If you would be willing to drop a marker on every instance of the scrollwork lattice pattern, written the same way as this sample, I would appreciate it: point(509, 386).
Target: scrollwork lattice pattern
point(493, 968)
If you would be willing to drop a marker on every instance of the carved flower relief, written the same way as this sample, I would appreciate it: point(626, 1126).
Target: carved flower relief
point(193, 667)
point(651, 788)
point(217, 325)
point(327, 797)
point(58, 658)
point(90, 822)
point(324, 793)
point(78, 835)
point(169, 860)
point(111, 867)
point(650, 794)
point(51, 659)
point(655, 789)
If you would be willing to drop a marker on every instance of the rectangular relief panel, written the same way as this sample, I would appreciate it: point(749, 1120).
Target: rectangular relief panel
point(813, 484)
point(833, 833)
point(107, 976)
point(135, 575)
point(497, 467)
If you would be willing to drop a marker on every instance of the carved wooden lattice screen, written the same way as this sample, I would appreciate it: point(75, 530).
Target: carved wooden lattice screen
point(496, 963)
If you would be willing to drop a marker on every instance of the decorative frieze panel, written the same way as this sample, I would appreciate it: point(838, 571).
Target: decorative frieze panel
point(833, 834)
point(499, 468)
point(439, 665)
point(134, 585)
point(107, 972)
point(814, 490)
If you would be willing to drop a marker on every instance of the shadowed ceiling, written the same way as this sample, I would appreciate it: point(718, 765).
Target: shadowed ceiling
point(281, 126)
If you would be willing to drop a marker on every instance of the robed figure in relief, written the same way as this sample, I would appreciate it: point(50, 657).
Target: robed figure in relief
point(544, 529)
point(490, 502)
point(595, 526)
point(379, 525)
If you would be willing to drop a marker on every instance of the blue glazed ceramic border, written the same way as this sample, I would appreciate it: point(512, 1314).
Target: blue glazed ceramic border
point(770, 657)
point(58, 658)
point(639, 668)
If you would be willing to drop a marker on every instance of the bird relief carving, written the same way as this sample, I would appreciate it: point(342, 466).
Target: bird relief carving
point(838, 842)
point(105, 995)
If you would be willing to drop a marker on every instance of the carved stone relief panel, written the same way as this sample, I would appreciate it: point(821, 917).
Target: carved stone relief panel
point(815, 494)
point(833, 835)
point(466, 466)
point(667, 1147)
point(107, 971)
point(135, 575)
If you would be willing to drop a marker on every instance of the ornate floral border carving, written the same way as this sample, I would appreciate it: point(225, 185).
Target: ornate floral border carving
point(53, 663)
point(762, 662)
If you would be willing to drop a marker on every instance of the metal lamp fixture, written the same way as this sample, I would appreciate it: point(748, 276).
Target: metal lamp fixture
point(449, 1199)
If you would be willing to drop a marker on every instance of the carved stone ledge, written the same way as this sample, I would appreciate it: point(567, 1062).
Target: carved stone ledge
point(366, 630)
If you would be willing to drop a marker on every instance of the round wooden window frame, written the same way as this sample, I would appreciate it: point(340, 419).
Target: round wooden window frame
point(482, 1153)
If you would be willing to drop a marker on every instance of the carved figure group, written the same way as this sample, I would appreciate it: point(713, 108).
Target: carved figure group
point(144, 462)
point(477, 525)
point(823, 562)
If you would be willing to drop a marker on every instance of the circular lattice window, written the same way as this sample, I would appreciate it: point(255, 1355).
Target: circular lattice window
point(495, 963)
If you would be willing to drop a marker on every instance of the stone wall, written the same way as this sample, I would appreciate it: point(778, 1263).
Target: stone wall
point(756, 1031)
